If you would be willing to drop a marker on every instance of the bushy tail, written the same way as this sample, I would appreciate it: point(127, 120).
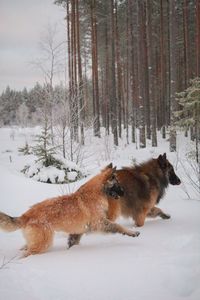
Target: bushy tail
point(8, 223)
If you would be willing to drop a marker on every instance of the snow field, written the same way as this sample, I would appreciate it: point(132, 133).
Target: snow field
point(162, 263)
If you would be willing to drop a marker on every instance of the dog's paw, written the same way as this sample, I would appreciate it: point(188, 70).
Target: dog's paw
point(135, 233)
point(70, 244)
point(165, 216)
point(138, 225)
point(24, 248)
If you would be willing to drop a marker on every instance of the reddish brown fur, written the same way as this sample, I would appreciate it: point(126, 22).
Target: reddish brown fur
point(80, 212)
point(143, 187)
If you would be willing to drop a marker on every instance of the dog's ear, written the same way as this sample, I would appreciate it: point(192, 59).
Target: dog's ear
point(114, 169)
point(113, 172)
point(162, 160)
point(109, 166)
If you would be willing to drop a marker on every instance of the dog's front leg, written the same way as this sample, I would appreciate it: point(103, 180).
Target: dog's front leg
point(74, 239)
point(110, 227)
point(157, 212)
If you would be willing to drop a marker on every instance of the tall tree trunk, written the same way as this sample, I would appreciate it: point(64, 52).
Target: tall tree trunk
point(141, 75)
point(198, 38)
point(186, 41)
point(126, 77)
point(95, 79)
point(145, 72)
point(131, 61)
point(113, 75)
point(163, 72)
point(74, 99)
point(172, 36)
point(119, 73)
point(151, 72)
point(107, 81)
point(80, 76)
point(70, 73)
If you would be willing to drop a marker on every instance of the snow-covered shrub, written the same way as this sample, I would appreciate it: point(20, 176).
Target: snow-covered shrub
point(62, 171)
point(49, 166)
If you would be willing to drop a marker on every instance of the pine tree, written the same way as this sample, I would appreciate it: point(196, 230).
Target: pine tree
point(44, 150)
point(189, 100)
point(189, 114)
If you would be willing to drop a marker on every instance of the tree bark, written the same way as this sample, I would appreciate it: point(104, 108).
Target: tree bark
point(80, 76)
point(151, 72)
point(186, 41)
point(141, 76)
point(113, 75)
point(198, 38)
point(95, 78)
point(172, 37)
point(119, 74)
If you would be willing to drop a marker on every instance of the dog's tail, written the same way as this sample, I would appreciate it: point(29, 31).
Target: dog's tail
point(8, 223)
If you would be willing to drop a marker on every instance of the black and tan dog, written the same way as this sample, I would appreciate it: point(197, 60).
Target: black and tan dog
point(144, 185)
point(83, 211)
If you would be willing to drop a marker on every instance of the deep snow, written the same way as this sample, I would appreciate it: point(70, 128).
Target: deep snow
point(162, 263)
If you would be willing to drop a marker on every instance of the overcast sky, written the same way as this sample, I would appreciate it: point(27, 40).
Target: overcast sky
point(22, 23)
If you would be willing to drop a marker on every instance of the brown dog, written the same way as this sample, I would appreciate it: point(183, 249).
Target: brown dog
point(144, 185)
point(83, 211)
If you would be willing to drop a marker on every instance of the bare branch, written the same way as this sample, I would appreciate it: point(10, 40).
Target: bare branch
point(6, 262)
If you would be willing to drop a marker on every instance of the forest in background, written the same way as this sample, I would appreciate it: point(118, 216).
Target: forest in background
point(128, 65)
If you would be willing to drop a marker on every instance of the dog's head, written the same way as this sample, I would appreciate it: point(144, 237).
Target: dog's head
point(112, 187)
point(168, 170)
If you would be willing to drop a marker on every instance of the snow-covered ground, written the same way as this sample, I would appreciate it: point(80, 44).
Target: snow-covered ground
point(162, 263)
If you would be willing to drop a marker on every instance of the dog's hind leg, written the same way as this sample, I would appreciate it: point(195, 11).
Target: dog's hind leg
point(74, 239)
point(157, 212)
point(39, 238)
point(110, 227)
point(140, 217)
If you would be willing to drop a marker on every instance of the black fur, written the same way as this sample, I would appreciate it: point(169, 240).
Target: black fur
point(115, 191)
